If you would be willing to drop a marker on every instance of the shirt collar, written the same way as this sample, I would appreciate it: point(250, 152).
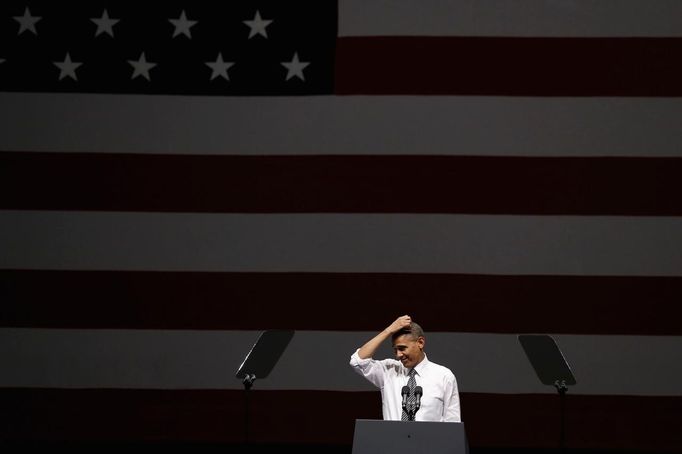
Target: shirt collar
point(422, 365)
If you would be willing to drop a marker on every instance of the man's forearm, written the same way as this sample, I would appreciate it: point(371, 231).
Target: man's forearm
point(368, 350)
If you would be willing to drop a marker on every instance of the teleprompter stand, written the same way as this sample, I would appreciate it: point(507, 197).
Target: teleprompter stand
point(551, 368)
point(260, 361)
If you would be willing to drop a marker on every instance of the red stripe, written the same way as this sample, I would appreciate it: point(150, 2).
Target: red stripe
point(444, 302)
point(509, 66)
point(491, 420)
point(363, 184)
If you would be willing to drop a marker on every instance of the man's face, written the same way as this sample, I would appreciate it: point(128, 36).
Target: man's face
point(407, 350)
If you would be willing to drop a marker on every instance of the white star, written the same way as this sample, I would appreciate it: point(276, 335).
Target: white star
point(27, 22)
point(67, 67)
point(219, 67)
point(182, 25)
point(295, 67)
point(142, 67)
point(105, 24)
point(257, 25)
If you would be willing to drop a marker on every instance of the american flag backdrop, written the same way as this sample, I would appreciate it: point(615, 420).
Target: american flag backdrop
point(177, 177)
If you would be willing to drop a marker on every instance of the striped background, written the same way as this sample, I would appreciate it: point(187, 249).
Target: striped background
point(489, 169)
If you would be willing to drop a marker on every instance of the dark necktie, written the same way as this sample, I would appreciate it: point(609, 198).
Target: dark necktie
point(411, 398)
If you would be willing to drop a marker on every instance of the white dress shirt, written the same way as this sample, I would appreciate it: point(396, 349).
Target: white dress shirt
point(440, 401)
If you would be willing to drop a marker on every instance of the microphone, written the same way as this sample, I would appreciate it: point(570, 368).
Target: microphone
point(418, 391)
point(405, 392)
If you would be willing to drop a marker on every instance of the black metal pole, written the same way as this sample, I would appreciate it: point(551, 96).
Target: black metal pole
point(562, 388)
point(246, 416)
point(248, 383)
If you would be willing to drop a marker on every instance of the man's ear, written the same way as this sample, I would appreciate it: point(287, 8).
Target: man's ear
point(421, 342)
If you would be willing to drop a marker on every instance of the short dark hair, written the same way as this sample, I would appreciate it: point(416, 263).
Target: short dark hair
point(414, 330)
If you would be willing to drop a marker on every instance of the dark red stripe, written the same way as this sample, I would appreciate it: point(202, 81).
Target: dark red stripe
point(493, 420)
point(254, 301)
point(361, 184)
point(509, 66)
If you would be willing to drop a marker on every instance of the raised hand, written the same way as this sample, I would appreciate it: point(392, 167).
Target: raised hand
point(399, 323)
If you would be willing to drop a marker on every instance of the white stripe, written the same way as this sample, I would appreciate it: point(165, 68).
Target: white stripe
point(383, 125)
point(486, 363)
point(486, 244)
point(569, 18)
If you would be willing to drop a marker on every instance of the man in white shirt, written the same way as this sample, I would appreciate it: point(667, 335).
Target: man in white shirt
point(440, 399)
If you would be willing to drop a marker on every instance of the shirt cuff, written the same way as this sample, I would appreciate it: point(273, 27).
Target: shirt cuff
point(355, 359)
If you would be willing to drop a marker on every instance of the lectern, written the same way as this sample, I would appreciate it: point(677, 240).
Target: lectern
point(409, 437)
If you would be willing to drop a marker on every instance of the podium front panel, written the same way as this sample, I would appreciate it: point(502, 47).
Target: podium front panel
point(397, 437)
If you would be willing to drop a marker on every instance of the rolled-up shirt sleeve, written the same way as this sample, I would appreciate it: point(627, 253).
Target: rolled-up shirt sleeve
point(451, 409)
point(369, 368)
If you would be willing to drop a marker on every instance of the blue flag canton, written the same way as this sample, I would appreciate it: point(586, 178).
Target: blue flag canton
point(173, 47)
